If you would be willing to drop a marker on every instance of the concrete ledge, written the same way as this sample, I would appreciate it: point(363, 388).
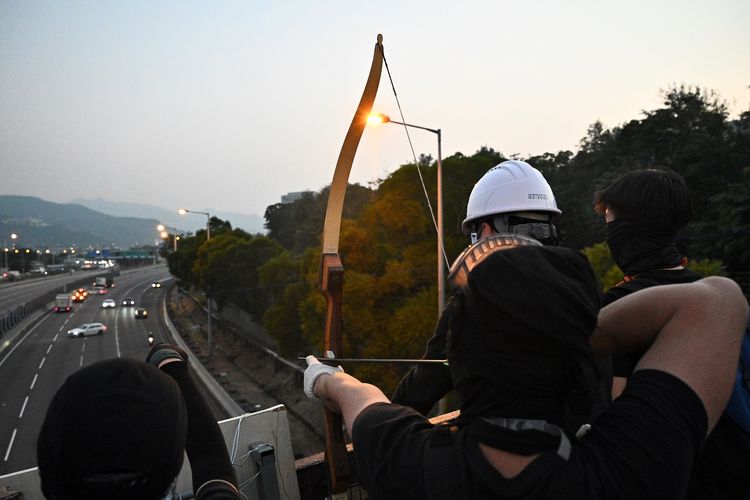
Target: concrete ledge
point(217, 391)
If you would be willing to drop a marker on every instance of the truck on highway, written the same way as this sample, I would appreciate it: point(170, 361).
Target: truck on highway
point(107, 281)
point(63, 302)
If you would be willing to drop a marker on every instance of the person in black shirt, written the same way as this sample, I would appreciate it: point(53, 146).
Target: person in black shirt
point(118, 429)
point(643, 211)
point(520, 351)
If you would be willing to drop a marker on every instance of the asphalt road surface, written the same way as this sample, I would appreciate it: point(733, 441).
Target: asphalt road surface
point(40, 360)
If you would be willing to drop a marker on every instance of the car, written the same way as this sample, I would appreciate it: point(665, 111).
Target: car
point(80, 295)
point(99, 290)
point(128, 301)
point(88, 329)
point(108, 304)
point(155, 284)
point(141, 313)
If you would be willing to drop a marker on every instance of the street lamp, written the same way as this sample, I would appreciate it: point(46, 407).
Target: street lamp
point(377, 118)
point(184, 211)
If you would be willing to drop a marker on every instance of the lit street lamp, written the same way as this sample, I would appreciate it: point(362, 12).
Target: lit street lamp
point(184, 211)
point(376, 118)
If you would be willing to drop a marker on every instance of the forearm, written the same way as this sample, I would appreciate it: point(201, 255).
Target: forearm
point(633, 322)
point(423, 386)
point(693, 332)
point(347, 395)
point(204, 445)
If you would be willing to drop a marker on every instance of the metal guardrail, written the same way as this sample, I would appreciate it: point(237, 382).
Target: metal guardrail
point(13, 317)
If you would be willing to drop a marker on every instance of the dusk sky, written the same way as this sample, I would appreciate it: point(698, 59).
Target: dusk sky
point(229, 105)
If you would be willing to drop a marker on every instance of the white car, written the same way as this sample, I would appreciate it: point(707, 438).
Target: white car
point(88, 329)
point(108, 304)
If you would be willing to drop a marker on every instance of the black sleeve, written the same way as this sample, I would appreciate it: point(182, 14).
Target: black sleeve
point(424, 385)
point(389, 442)
point(204, 445)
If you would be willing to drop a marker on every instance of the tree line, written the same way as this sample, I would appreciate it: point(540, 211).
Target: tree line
point(387, 239)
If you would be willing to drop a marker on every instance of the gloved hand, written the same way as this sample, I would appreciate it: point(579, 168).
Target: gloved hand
point(163, 352)
point(314, 370)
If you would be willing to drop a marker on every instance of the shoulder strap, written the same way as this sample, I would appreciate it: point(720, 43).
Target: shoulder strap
point(443, 465)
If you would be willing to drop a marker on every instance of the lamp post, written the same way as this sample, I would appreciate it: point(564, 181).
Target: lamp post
point(376, 118)
point(184, 211)
point(13, 237)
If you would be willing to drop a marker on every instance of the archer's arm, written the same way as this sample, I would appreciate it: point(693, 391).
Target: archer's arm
point(345, 394)
point(694, 332)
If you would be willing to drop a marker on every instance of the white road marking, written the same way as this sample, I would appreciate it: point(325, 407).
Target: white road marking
point(81, 362)
point(41, 364)
point(49, 348)
point(20, 415)
point(10, 445)
point(33, 382)
point(19, 343)
point(55, 337)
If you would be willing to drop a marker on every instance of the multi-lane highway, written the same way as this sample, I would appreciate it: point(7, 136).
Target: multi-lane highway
point(40, 360)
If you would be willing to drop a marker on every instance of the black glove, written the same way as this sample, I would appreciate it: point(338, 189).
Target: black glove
point(161, 352)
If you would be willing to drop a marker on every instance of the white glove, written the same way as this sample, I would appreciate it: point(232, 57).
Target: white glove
point(314, 370)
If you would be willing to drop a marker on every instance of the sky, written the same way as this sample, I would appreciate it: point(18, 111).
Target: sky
point(229, 105)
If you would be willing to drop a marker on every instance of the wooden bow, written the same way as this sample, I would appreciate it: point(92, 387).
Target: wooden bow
point(332, 271)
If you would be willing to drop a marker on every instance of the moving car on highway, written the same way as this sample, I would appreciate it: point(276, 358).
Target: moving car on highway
point(155, 284)
point(88, 329)
point(80, 295)
point(108, 304)
point(128, 301)
point(141, 313)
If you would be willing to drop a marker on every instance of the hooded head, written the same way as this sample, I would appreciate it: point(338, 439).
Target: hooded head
point(519, 335)
point(115, 430)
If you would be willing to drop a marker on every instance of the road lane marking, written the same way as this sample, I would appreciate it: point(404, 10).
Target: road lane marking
point(49, 348)
point(10, 445)
point(81, 362)
point(55, 337)
point(19, 342)
point(42, 363)
point(33, 382)
point(20, 415)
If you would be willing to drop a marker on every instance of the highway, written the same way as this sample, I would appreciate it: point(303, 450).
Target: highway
point(41, 359)
point(16, 293)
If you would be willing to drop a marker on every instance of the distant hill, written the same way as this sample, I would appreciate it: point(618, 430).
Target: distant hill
point(251, 223)
point(41, 223)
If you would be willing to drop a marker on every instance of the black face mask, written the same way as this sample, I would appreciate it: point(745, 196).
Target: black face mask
point(636, 249)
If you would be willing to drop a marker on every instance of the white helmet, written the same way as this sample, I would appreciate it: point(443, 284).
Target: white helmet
point(512, 186)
